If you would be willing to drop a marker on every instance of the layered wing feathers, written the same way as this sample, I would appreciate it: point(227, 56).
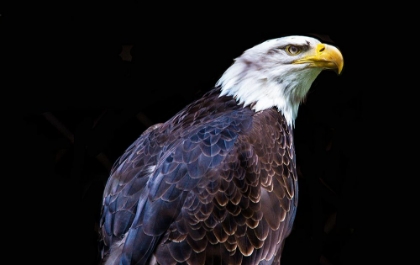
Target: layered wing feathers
point(215, 184)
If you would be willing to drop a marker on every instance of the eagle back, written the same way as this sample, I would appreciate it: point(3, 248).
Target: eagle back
point(214, 184)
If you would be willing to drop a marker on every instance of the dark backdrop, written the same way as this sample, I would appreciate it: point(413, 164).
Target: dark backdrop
point(86, 81)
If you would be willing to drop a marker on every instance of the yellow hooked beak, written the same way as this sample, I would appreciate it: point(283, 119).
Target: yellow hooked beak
point(324, 56)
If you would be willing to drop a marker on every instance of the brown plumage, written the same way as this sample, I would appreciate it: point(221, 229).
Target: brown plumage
point(215, 184)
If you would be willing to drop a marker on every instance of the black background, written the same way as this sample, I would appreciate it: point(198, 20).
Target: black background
point(65, 65)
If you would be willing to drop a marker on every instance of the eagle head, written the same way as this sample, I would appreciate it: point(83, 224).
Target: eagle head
point(278, 73)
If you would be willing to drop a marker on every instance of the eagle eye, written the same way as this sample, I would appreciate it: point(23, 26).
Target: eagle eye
point(293, 49)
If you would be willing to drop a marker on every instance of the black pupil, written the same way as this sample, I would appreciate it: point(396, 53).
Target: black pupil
point(293, 49)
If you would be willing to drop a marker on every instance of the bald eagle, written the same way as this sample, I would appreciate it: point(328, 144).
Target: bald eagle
point(217, 183)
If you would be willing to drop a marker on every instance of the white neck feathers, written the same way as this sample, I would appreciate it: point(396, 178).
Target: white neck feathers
point(265, 88)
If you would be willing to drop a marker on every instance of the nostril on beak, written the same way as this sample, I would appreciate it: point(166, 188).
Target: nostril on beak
point(320, 47)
